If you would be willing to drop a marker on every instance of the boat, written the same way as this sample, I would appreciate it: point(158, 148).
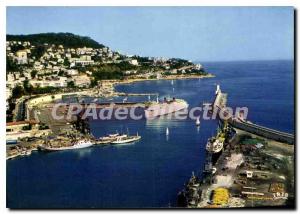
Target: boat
point(198, 122)
point(213, 170)
point(80, 144)
point(109, 137)
point(215, 144)
point(125, 139)
point(156, 109)
point(167, 131)
point(172, 82)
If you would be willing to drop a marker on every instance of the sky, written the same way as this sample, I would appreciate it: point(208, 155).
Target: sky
point(194, 33)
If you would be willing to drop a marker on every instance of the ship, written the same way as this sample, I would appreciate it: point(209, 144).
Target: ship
point(215, 144)
point(125, 139)
point(156, 109)
point(109, 138)
point(80, 144)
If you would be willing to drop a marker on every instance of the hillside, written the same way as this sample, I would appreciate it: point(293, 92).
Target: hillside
point(66, 39)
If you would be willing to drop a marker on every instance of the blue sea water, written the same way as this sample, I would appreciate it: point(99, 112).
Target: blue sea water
point(150, 172)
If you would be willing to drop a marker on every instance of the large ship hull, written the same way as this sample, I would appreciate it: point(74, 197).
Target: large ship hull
point(160, 109)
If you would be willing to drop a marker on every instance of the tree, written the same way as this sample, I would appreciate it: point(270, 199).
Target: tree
point(66, 62)
point(61, 73)
point(16, 48)
point(18, 91)
point(66, 39)
point(33, 73)
point(28, 88)
point(11, 66)
point(38, 52)
point(71, 84)
point(94, 83)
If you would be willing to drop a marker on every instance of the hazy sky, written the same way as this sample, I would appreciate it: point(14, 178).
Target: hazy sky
point(196, 33)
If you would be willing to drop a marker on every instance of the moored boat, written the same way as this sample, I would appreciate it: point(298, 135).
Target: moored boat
point(124, 139)
point(155, 109)
point(80, 144)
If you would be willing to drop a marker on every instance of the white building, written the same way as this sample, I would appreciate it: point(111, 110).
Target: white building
point(72, 72)
point(21, 57)
point(83, 62)
point(59, 82)
point(198, 66)
point(133, 62)
point(81, 81)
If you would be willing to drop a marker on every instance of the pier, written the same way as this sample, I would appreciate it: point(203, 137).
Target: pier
point(220, 103)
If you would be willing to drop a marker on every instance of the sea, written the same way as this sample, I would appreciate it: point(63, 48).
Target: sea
point(150, 173)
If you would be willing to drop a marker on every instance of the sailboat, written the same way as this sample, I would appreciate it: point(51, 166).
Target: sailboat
point(198, 122)
point(167, 131)
point(172, 82)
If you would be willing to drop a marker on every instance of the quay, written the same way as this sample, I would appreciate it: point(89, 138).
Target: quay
point(109, 104)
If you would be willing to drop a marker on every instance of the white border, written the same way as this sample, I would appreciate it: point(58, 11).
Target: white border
point(4, 3)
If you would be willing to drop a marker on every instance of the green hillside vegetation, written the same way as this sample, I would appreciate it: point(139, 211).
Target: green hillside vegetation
point(68, 40)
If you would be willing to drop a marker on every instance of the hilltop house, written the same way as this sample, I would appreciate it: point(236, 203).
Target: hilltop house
point(21, 57)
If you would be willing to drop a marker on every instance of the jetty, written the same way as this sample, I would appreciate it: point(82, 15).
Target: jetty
point(239, 123)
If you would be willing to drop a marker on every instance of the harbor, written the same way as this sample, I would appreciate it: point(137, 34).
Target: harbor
point(149, 163)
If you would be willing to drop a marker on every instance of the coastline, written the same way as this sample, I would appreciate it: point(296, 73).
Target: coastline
point(38, 102)
point(170, 77)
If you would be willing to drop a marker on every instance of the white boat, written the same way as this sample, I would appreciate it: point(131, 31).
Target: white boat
point(123, 139)
point(172, 82)
point(213, 170)
point(109, 137)
point(155, 109)
point(167, 131)
point(215, 144)
point(78, 145)
point(198, 122)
